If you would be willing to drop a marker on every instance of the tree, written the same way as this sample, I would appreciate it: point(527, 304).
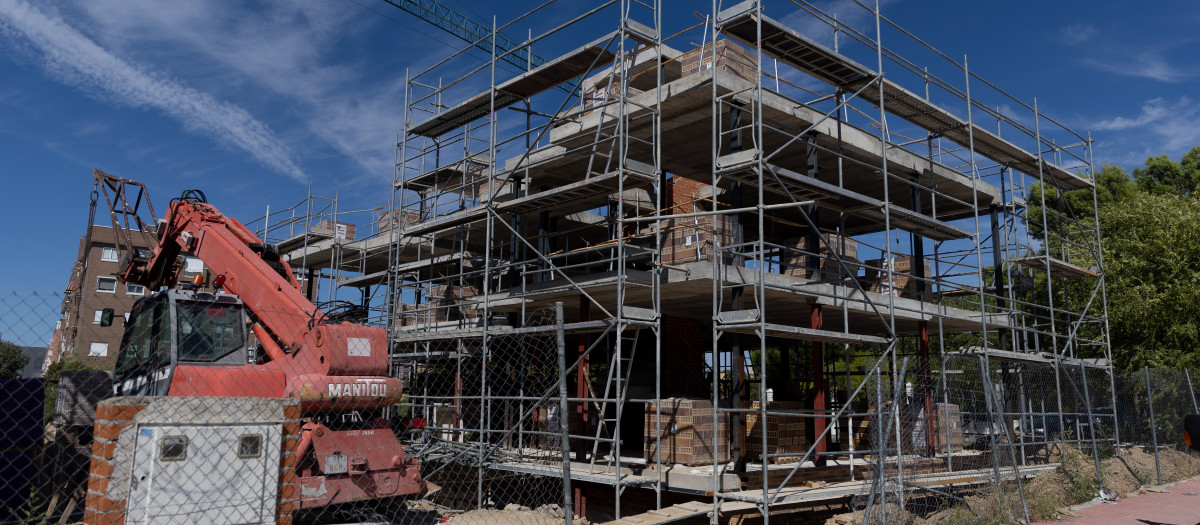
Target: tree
point(1164, 176)
point(1113, 184)
point(1151, 245)
point(12, 360)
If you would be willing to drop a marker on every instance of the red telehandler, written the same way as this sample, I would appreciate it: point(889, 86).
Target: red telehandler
point(181, 341)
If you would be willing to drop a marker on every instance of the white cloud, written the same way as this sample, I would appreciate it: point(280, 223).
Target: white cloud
point(1077, 33)
point(1175, 124)
point(286, 51)
point(1143, 65)
point(73, 58)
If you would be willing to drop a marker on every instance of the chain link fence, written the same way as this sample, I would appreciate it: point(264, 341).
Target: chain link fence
point(479, 430)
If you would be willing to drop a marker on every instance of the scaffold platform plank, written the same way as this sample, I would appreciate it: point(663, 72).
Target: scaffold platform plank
point(789, 46)
point(444, 222)
point(676, 512)
point(362, 281)
point(464, 170)
point(801, 333)
point(924, 225)
point(748, 501)
point(572, 195)
point(380, 277)
point(579, 472)
point(781, 42)
point(1058, 267)
point(934, 119)
point(417, 334)
point(580, 195)
point(1041, 358)
point(544, 77)
point(801, 187)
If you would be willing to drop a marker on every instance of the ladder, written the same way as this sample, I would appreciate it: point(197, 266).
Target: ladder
point(606, 133)
point(619, 386)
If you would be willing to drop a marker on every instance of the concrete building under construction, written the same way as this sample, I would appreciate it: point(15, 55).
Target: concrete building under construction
point(647, 279)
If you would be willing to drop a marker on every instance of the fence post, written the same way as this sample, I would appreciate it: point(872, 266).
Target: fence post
point(563, 427)
point(1191, 391)
point(1153, 430)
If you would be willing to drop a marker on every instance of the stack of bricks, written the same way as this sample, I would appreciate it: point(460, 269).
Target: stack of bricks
point(106, 502)
point(947, 428)
point(695, 239)
point(795, 261)
point(389, 219)
point(854, 432)
point(784, 434)
point(600, 96)
point(875, 277)
point(443, 302)
point(730, 57)
point(689, 433)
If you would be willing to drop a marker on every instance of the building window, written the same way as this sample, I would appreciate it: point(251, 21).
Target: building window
point(108, 254)
point(98, 350)
point(96, 317)
point(134, 289)
point(106, 284)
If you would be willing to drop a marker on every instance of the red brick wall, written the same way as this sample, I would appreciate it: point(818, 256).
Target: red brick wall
point(112, 418)
point(683, 190)
point(289, 489)
point(110, 421)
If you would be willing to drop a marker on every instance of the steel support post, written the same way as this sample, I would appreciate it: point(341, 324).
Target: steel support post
point(1153, 426)
point(926, 386)
point(563, 422)
point(581, 408)
point(818, 394)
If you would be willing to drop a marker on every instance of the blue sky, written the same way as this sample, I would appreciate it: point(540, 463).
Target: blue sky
point(257, 102)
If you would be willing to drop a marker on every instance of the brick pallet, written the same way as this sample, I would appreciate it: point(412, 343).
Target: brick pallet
point(692, 239)
point(875, 277)
point(795, 260)
point(784, 434)
point(688, 432)
point(730, 57)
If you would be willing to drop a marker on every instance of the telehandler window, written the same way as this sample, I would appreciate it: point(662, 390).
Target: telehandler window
point(208, 331)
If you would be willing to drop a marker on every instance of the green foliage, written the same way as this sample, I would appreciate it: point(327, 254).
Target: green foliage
point(1163, 176)
point(32, 510)
point(1150, 228)
point(1113, 184)
point(12, 360)
point(1081, 475)
point(1151, 245)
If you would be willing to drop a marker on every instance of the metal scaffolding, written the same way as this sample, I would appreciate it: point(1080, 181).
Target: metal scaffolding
point(688, 222)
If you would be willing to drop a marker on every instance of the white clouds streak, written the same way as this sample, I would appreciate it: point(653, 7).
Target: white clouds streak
point(288, 50)
point(1144, 65)
point(69, 56)
point(1176, 124)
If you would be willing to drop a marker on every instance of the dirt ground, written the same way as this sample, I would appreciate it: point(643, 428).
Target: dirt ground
point(1073, 482)
point(514, 517)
